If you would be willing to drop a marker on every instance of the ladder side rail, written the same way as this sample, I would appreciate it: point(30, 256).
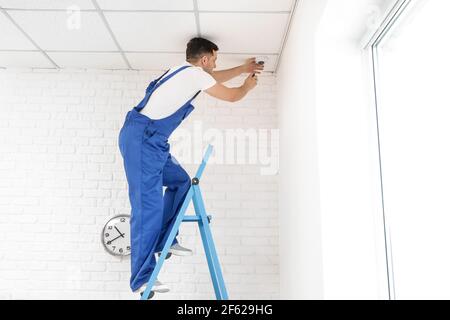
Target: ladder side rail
point(167, 245)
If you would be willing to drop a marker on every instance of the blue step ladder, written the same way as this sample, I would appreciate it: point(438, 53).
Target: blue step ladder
point(203, 221)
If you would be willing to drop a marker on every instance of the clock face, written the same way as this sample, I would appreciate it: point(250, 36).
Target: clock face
point(116, 235)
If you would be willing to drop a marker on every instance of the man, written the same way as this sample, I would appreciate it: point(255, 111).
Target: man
point(148, 163)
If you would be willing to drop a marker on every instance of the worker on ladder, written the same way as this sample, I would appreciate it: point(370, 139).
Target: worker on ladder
point(143, 144)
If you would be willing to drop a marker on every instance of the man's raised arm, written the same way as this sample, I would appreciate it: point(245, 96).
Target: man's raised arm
point(250, 66)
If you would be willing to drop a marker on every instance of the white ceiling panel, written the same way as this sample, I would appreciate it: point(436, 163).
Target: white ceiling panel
point(225, 61)
point(150, 31)
point(146, 4)
point(241, 29)
point(155, 61)
point(54, 31)
point(46, 4)
point(245, 5)
point(24, 59)
point(95, 60)
point(244, 32)
point(11, 38)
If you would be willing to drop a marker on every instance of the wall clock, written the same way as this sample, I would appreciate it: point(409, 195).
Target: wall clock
point(116, 235)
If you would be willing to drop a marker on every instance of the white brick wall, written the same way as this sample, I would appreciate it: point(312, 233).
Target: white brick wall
point(62, 178)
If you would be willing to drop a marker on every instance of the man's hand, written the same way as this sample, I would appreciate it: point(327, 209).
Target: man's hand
point(250, 66)
point(250, 82)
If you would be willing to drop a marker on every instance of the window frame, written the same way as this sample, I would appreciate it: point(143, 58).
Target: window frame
point(397, 10)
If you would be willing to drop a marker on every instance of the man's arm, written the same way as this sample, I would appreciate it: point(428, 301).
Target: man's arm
point(250, 66)
point(221, 92)
point(225, 75)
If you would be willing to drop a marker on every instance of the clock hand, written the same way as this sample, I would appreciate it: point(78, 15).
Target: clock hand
point(121, 234)
point(109, 242)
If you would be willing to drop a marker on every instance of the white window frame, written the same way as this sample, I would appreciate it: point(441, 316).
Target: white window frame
point(372, 47)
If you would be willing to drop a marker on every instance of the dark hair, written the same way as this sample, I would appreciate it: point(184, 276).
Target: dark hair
point(197, 47)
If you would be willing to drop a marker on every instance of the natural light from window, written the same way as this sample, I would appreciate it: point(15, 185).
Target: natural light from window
point(414, 126)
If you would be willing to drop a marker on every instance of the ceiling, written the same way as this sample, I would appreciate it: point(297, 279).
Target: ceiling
point(138, 34)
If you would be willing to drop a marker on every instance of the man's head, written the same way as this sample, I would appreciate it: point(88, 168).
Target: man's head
point(202, 53)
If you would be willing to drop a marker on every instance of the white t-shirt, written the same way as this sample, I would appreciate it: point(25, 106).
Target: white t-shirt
point(176, 91)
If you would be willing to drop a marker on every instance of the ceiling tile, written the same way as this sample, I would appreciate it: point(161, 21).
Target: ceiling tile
point(245, 32)
point(155, 61)
point(56, 30)
point(150, 31)
point(245, 5)
point(46, 4)
point(226, 61)
point(146, 5)
point(24, 60)
point(11, 38)
point(96, 60)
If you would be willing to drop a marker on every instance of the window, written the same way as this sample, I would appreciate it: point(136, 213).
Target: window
point(411, 57)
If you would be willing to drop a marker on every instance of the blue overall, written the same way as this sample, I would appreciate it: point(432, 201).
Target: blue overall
point(149, 166)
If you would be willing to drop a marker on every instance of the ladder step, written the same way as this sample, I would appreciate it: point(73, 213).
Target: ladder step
point(194, 218)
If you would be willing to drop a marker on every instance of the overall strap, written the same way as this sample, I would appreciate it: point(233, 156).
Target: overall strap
point(151, 84)
point(194, 96)
point(162, 75)
point(149, 91)
point(169, 76)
